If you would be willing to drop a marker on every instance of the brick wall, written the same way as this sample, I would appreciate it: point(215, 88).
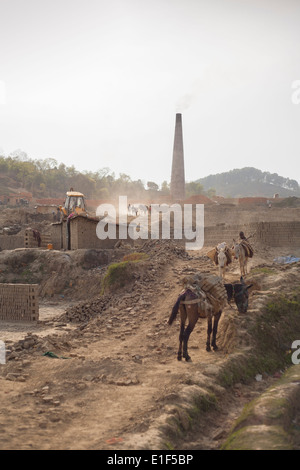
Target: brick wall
point(11, 242)
point(19, 302)
point(270, 234)
point(83, 235)
point(31, 242)
point(225, 233)
point(57, 236)
point(279, 233)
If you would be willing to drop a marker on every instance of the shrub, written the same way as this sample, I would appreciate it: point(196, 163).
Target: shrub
point(119, 274)
point(136, 257)
point(116, 276)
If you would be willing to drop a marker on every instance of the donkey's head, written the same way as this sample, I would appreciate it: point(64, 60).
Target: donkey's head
point(236, 249)
point(222, 259)
point(239, 292)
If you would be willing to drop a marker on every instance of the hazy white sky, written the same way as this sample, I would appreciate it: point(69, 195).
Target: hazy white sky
point(97, 84)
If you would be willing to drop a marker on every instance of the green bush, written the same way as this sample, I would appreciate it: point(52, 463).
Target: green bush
point(116, 276)
point(119, 274)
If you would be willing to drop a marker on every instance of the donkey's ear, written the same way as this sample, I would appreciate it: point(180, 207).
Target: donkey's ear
point(248, 287)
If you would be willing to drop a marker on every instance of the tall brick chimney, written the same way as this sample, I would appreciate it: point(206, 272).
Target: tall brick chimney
point(178, 176)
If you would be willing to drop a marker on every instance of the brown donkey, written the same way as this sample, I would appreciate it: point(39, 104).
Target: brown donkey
point(192, 307)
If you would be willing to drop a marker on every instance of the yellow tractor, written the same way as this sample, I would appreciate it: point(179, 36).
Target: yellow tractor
point(74, 204)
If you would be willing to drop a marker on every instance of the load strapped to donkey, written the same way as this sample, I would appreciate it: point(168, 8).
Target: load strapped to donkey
point(208, 291)
point(213, 254)
point(205, 295)
point(248, 248)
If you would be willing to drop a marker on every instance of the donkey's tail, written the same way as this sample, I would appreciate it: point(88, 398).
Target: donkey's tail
point(176, 308)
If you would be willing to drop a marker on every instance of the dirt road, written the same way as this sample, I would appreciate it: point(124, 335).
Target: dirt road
point(115, 382)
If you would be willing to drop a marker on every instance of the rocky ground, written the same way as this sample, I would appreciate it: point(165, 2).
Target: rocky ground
point(100, 371)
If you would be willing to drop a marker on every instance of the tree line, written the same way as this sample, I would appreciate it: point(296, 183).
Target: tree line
point(46, 178)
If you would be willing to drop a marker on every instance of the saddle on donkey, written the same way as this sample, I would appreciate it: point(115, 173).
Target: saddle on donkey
point(213, 254)
point(248, 248)
point(208, 291)
point(246, 245)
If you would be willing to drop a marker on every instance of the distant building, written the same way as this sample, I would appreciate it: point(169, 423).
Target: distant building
point(16, 199)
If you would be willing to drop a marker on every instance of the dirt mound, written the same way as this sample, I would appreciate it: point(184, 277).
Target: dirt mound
point(124, 281)
point(75, 273)
point(163, 249)
point(289, 202)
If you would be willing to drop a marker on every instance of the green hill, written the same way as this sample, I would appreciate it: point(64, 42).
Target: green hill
point(250, 182)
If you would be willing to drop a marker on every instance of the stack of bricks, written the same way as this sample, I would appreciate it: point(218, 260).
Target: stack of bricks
point(273, 234)
point(31, 242)
point(213, 235)
point(19, 302)
point(279, 233)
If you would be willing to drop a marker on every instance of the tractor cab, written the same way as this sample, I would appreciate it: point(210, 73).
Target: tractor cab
point(74, 204)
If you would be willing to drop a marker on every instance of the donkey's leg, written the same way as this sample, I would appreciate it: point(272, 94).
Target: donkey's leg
point(215, 330)
point(192, 314)
point(179, 354)
point(186, 336)
point(245, 259)
point(183, 317)
point(242, 269)
point(209, 330)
